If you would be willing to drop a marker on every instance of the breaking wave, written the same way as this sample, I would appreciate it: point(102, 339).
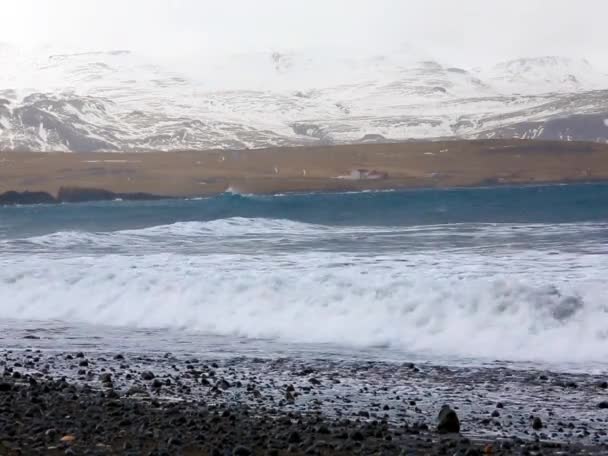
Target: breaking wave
point(316, 298)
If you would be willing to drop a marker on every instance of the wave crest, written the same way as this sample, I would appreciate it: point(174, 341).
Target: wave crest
point(316, 302)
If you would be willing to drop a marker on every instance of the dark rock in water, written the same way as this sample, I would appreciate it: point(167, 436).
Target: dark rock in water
point(4, 387)
point(82, 195)
point(79, 195)
point(105, 378)
point(603, 405)
point(11, 198)
point(119, 357)
point(537, 424)
point(31, 337)
point(147, 375)
point(373, 137)
point(448, 422)
point(603, 385)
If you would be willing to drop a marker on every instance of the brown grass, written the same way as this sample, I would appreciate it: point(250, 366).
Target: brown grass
point(420, 164)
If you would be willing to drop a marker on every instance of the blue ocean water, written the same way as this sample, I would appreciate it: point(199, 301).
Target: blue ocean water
point(517, 204)
point(508, 273)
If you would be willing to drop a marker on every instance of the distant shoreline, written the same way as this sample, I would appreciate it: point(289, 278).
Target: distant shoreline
point(74, 177)
point(87, 195)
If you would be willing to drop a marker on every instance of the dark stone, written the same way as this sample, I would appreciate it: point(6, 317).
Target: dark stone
point(537, 424)
point(448, 422)
point(4, 387)
point(223, 384)
point(603, 405)
point(323, 429)
point(357, 436)
point(105, 378)
point(174, 441)
point(147, 375)
point(241, 451)
point(473, 452)
point(294, 437)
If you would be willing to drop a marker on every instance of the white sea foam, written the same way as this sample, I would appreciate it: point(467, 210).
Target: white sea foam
point(523, 306)
point(274, 232)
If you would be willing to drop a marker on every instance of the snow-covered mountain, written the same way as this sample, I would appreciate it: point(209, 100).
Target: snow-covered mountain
point(118, 101)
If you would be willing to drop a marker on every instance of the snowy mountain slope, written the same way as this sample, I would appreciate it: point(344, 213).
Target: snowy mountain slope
point(118, 101)
point(549, 74)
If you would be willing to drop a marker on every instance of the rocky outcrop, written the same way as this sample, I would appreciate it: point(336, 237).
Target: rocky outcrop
point(82, 195)
point(71, 195)
point(12, 198)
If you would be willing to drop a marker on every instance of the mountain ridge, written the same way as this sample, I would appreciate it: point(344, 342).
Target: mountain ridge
point(120, 101)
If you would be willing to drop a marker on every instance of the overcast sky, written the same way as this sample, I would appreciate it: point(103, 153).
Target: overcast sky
point(463, 32)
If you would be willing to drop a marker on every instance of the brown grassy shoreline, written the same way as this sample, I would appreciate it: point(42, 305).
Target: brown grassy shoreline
point(303, 169)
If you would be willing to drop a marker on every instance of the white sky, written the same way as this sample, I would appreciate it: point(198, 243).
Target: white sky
point(459, 32)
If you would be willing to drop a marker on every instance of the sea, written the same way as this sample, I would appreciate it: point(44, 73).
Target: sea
point(477, 276)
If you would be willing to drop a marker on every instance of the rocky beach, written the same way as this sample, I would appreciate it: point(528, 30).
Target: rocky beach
point(113, 403)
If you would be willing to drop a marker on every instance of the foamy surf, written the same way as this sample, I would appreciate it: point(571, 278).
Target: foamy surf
point(415, 304)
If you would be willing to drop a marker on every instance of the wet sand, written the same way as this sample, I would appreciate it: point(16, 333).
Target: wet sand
point(55, 402)
point(199, 173)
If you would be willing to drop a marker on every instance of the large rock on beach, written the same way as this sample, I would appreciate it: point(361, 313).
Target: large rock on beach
point(448, 422)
